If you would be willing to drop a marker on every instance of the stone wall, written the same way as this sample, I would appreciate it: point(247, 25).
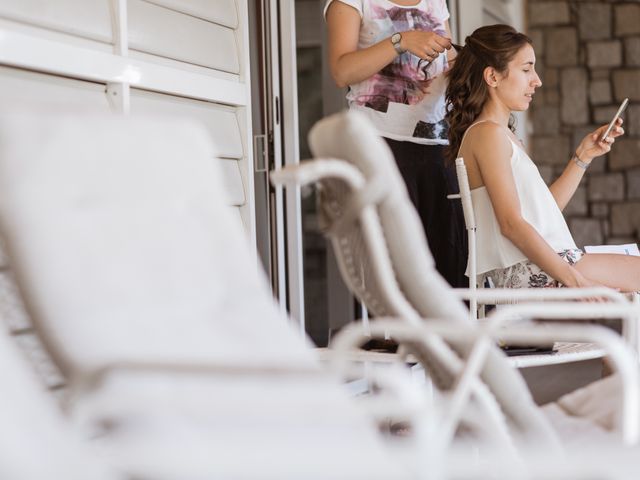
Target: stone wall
point(588, 57)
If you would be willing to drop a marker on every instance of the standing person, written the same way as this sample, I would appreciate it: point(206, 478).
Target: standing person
point(523, 239)
point(392, 56)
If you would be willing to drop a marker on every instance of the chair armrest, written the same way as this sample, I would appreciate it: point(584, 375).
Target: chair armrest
point(91, 379)
point(312, 171)
point(498, 295)
point(630, 315)
point(561, 311)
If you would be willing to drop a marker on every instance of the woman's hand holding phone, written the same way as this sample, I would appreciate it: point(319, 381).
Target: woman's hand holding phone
point(600, 141)
point(614, 120)
point(606, 135)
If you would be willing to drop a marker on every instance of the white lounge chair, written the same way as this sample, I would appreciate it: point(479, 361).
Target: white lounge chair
point(36, 441)
point(384, 259)
point(146, 294)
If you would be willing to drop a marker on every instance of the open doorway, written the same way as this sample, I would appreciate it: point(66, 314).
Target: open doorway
point(328, 304)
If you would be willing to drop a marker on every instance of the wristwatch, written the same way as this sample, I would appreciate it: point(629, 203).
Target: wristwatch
point(396, 38)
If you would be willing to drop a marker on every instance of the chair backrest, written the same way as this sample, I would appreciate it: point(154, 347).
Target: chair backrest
point(470, 225)
point(349, 136)
point(123, 226)
point(127, 255)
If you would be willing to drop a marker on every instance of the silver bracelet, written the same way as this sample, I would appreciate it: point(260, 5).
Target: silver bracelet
point(580, 163)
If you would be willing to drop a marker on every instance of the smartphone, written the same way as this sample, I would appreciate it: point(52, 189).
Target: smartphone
point(612, 124)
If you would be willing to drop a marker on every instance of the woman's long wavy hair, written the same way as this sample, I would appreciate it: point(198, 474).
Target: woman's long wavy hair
point(467, 92)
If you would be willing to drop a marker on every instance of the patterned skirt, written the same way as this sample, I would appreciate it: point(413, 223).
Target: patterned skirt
point(528, 275)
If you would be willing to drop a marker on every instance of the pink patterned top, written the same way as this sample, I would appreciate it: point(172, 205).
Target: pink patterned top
point(393, 98)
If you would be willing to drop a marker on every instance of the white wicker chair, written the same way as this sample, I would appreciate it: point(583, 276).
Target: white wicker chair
point(384, 259)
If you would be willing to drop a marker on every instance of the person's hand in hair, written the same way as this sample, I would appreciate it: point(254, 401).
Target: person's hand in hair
point(350, 65)
point(425, 45)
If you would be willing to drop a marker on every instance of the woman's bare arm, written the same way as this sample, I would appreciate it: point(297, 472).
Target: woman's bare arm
point(349, 65)
point(492, 151)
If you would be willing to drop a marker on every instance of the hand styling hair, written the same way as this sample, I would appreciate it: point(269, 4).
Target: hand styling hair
point(490, 46)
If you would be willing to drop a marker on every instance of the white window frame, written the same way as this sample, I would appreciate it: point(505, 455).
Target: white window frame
point(20, 48)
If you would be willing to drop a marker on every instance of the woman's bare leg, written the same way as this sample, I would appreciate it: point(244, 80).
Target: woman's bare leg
point(615, 271)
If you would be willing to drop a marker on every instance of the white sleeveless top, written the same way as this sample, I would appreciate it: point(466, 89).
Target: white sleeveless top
point(538, 208)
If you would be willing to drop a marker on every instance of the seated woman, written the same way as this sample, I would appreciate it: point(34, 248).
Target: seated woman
point(522, 237)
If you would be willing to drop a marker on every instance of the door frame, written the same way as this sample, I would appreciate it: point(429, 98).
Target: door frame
point(279, 236)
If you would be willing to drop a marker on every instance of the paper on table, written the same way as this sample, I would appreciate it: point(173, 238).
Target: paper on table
point(627, 249)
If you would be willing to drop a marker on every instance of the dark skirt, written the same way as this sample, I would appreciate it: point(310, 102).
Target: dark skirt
point(429, 182)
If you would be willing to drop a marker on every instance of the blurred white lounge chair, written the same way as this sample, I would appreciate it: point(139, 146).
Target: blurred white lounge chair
point(146, 294)
point(36, 441)
point(384, 259)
